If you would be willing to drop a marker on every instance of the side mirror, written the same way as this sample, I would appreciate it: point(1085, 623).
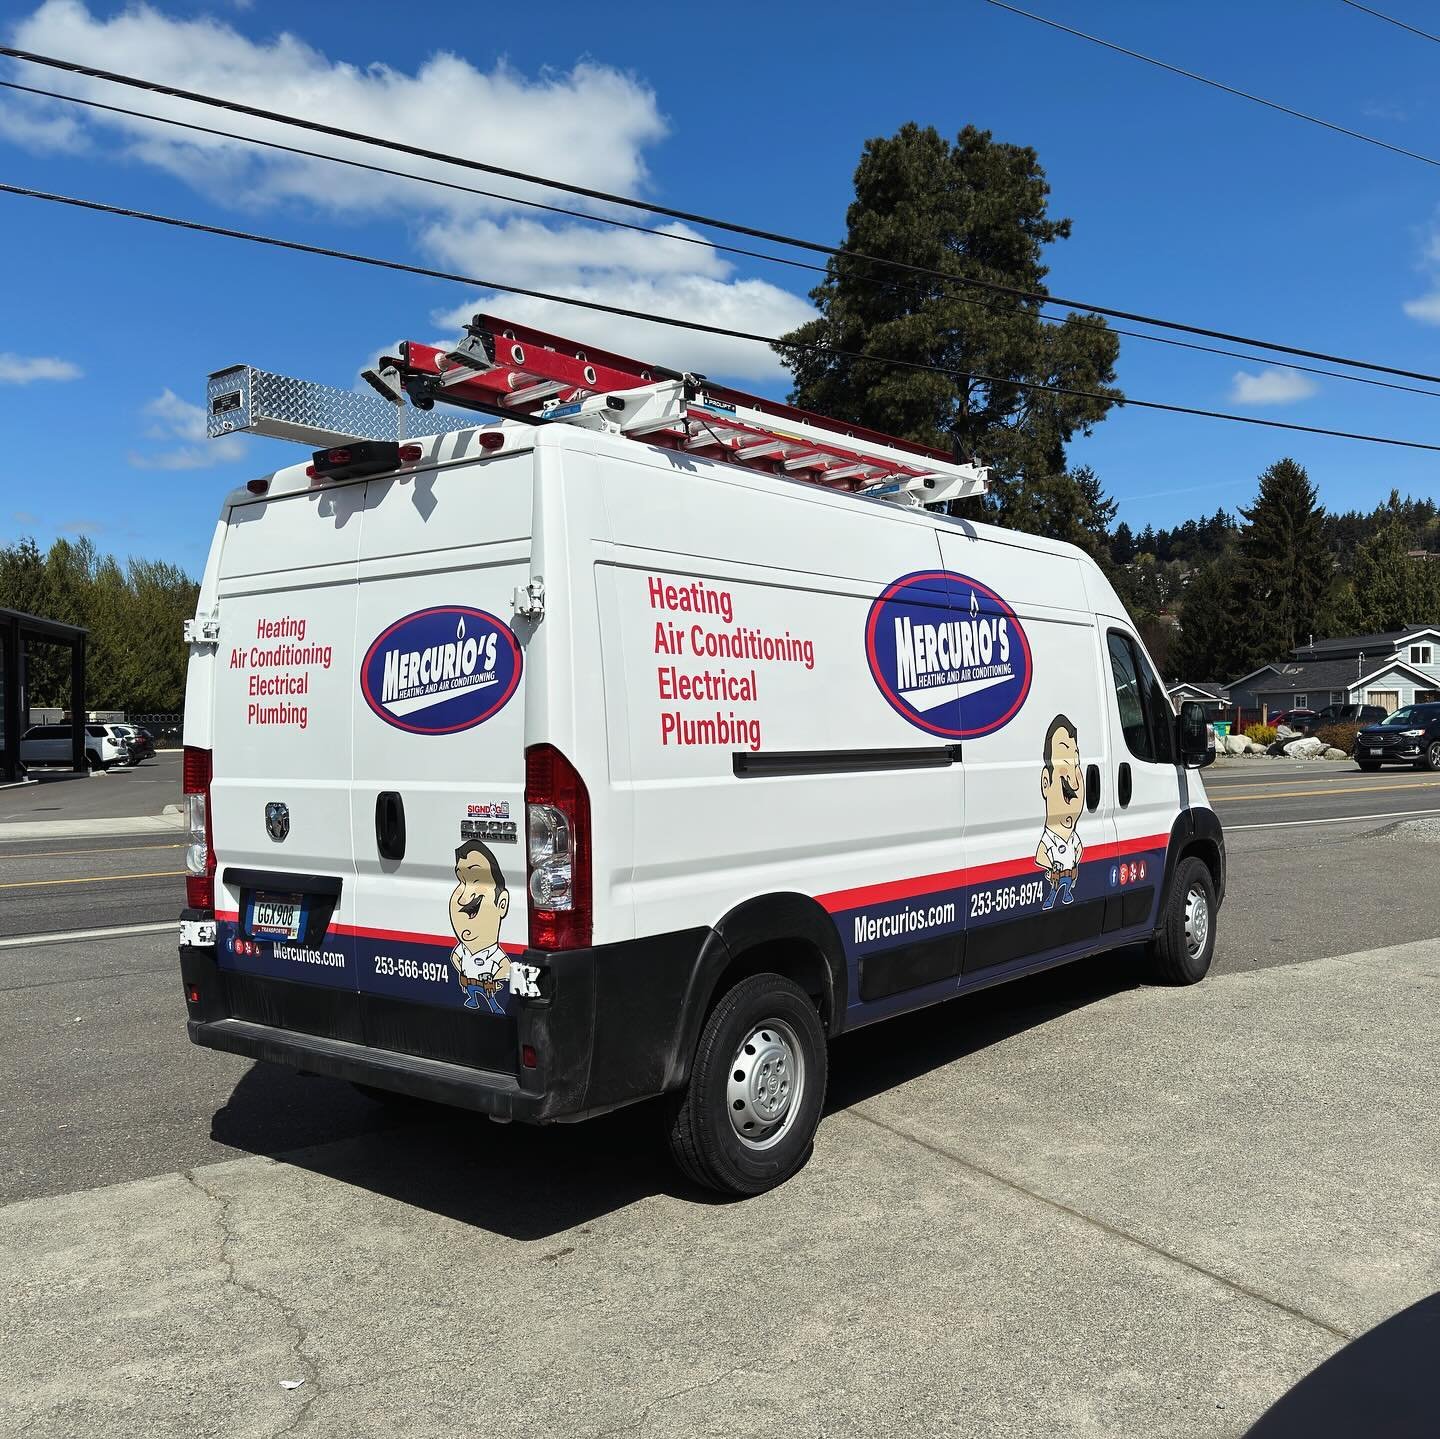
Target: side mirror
point(1192, 734)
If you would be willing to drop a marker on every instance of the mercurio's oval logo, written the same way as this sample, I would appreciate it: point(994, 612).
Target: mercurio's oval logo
point(948, 654)
point(442, 670)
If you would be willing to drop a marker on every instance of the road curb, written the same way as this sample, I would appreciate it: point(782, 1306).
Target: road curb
point(91, 828)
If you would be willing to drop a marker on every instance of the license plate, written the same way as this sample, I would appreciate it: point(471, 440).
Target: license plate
point(276, 916)
point(1373, 751)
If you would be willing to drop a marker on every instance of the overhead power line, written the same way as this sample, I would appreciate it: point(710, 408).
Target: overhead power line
point(690, 217)
point(1391, 20)
point(475, 282)
point(1218, 84)
point(696, 240)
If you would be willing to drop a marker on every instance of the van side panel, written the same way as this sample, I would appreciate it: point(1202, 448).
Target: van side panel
point(762, 758)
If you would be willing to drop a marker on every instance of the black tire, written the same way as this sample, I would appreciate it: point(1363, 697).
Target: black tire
point(1175, 955)
point(1432, 757)
point(704, 1141)
point(1368, 765)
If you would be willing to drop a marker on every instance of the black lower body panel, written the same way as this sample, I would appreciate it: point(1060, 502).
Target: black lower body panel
point(601, 1034)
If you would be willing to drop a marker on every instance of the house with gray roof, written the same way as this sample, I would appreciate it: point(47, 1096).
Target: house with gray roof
point(1398, 667)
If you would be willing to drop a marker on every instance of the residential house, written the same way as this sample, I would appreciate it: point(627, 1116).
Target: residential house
point(1398, 667)
point(1210, 693)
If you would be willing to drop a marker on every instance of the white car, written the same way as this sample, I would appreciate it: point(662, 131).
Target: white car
point(49, 744)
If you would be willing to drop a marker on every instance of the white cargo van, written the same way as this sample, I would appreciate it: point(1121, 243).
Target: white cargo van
point(542, 769)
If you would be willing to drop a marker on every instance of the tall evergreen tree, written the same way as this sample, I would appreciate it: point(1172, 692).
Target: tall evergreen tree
point(976, 210)
point(1388, 589)
point(1288, 573)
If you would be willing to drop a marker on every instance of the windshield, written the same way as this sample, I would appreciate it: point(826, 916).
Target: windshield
point(1409, 715)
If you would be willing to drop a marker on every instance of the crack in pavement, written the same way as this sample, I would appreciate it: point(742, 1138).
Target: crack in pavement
point(286, 1311)
point(1115, 1232)
point(636, 1424)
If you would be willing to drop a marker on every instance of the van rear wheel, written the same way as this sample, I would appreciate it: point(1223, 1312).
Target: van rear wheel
point(1184, 942)
point(746, 1120)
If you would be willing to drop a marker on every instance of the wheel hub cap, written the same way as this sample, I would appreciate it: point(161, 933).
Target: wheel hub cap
point(763, 1089)
point(1197, 920)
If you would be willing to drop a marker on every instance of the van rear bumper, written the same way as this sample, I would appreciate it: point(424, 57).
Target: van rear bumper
point(484, 1090)
point(606, 1030)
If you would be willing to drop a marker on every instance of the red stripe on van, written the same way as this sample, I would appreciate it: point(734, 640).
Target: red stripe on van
point(978, 874)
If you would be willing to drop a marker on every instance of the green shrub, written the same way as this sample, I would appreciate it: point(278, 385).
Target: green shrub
point(1338, 736)
point(1265, 734)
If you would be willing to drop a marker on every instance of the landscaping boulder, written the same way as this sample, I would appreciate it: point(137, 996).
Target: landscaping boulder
point(1237, 744)
point(1333, 753)
point(1310, 748)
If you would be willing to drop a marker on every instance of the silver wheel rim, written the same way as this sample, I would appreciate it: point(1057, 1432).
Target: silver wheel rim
point(765, 1085)
point(1435, 756)
point(1197, 921)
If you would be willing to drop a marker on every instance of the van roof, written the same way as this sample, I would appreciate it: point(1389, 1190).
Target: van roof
point(463, 447)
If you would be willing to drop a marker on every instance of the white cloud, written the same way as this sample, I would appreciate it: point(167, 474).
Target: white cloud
point(617, 268)
point(1271, 387)
point(26, 369)
point(591, 123)
point(177, 419)
point(1426, 309)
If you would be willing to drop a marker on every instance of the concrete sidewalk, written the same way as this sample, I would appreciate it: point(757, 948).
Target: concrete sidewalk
point(1149, 1214)
point(169, 823)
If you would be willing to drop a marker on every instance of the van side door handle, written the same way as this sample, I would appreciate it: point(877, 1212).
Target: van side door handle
point(1124, 786)
point(1092, 786)
point(390, 825)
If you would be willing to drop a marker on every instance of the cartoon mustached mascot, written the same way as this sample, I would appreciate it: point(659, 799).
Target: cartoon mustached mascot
point(1062, 787)
point(477, 910)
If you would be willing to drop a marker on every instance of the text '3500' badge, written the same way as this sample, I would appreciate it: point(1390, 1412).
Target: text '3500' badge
point(442, 670)
point(948, 654)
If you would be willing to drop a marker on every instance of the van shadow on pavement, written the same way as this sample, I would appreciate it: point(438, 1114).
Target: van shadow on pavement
point(528, 1182)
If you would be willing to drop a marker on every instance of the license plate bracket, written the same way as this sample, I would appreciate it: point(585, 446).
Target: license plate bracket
point(272, 916)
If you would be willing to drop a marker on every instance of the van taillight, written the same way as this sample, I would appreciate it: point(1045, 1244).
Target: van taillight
point(557, 834)
point(200, 849)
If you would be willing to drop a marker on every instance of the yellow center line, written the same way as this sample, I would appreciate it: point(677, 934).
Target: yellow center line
point(1331, 793)
point(72, 853)
point(94, 879)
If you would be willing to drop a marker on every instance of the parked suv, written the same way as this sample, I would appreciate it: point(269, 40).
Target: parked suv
point(142, 742)
point(1409, 736)
point(49, 744)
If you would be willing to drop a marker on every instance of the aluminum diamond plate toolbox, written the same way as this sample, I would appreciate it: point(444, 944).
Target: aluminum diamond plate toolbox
point(263, 403)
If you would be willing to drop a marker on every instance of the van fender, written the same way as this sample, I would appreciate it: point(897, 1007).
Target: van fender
point(1196, 830)
point(765, 922)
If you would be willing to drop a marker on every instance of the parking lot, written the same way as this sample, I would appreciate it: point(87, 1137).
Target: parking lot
point(1075, 1205)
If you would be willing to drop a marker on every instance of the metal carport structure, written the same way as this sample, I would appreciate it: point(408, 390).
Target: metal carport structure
point(17, 629)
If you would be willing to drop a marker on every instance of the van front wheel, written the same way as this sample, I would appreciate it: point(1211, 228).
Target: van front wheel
point(1184, 942)
point(746, 1120)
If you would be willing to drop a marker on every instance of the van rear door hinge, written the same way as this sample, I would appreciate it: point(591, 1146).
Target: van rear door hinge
point(202, 631)
point(530, 599)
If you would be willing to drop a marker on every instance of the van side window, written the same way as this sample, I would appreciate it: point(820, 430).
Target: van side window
point(1145, 714)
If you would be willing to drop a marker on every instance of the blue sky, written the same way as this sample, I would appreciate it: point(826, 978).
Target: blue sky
point(1187, 203)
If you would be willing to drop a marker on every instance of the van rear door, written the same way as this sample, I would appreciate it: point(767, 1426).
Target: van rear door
point(438, 706)
point(281, 727)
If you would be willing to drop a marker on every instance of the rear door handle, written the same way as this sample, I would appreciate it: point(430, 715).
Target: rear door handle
point(1092, 786)
point(390, 825)
point(1125, 786)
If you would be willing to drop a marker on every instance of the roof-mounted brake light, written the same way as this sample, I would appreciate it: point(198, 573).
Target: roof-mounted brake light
point(350, 462)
